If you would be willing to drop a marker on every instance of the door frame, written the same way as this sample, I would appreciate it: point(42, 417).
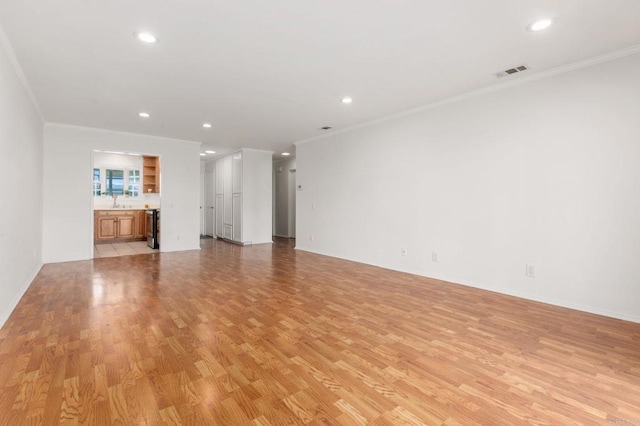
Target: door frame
point(210, 190)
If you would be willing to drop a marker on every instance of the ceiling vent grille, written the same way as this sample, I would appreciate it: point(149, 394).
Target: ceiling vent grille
point(511, 71)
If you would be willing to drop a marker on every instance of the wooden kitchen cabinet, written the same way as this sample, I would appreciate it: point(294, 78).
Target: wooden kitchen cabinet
point(126, 226)
point(141, 224)
point(115, 225)
point(105, 227)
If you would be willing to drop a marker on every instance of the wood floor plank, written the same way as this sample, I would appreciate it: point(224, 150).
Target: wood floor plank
point(267, 335)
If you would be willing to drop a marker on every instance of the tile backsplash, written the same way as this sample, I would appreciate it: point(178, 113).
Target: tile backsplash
point(153, 200)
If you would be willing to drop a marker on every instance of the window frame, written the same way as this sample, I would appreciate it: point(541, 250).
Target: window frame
point(97, 184)
point(127, 185)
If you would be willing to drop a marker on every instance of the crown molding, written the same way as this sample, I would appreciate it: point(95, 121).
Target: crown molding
point(585, 63)
point(118, 132)
point(5, 44)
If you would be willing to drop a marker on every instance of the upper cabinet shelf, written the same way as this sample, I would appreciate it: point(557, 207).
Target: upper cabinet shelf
point(150, 174)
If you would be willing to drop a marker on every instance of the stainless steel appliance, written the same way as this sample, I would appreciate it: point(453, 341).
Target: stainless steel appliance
point(153, 228)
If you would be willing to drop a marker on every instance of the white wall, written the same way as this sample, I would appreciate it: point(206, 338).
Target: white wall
point(257, 196)
point(118, 161)
point(68, 218)
point(139, 202)
point(544, 173)
point(21, 177)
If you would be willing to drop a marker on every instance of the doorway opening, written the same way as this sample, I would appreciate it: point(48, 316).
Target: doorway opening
point(125, 188)
point(284, 198)
point(209, 199)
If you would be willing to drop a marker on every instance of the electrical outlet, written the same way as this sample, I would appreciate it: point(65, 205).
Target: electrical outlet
point(403, 251)
point(434, 257)
point(530, 271)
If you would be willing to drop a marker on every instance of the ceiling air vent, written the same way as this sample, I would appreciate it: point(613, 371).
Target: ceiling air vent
point(511, 71)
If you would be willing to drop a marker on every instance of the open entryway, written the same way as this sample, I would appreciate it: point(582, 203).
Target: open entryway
point(284, 198)
point(125, 191)
point(209, 203)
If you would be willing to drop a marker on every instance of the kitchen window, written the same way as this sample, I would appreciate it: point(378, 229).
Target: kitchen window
point(97, 186)
point(116, 181)
point(134, 182)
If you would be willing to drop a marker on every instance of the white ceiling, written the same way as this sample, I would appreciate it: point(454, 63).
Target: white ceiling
point(269, 73)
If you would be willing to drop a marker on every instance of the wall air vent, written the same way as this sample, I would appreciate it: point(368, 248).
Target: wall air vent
point(511, 71)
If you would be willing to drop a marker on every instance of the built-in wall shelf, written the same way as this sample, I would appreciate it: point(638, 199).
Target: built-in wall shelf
point(150, 174)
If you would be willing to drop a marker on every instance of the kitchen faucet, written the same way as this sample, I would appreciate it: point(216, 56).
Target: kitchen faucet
point(115, 199)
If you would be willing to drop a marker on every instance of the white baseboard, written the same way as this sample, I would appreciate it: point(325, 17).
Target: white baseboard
point(521, 295)
point(7, 313)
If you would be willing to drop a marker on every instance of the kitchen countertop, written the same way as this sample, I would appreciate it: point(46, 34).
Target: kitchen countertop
point(117, 209)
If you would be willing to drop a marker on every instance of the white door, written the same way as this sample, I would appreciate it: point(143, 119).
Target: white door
point(209, 185)
point(219, 203)
point(227, 216)
point(237, 218)
point(219, 227)
point(292, 203)
point(203, 189)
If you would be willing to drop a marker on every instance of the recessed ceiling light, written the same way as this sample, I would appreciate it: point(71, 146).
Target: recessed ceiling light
point(210, 152)
point(202, 154)
point(286, 154)
point(146, 37)
point(144, 114)
point(347, 100)
point(539, 25)
point(326, 128)
point(206, 125)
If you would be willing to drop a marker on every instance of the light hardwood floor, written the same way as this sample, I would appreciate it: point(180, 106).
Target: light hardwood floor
point(263, 335)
